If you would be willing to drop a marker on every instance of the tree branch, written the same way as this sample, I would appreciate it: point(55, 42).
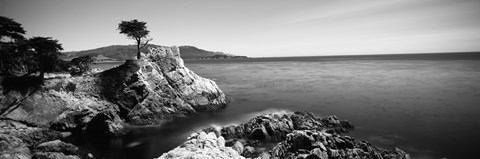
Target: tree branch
point(148, 40)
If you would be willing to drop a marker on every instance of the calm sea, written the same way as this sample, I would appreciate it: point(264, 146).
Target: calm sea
point(427, 105)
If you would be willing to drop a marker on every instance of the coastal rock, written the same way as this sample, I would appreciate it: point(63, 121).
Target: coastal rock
point(159, 88)
point(275, 127)
point(29, 135)
point(238, 146)
point(13, 148)
point(302, 142)
point(53, 155)
point(18, 140)
point(264, 155)
point(153, 90)
point(202, 145)
point(300, 135)
point(57, 146)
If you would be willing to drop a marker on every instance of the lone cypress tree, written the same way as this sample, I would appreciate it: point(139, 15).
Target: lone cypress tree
point(136, 30)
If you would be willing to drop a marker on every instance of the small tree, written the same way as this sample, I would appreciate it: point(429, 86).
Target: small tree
point(80, 65)
point(47, 51)
point(136, 30)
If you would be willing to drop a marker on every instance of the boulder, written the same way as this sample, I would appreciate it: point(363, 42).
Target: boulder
point(238, 146)
point(249, 152)
point(12, 147)
point(29, 135)
point(57, 146)
point(202, 145)
point(18, 140)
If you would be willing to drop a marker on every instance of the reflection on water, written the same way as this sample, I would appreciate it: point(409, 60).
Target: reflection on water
point(430, 108)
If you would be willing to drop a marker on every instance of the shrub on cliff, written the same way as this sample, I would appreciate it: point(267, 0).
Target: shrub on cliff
point(80, 65)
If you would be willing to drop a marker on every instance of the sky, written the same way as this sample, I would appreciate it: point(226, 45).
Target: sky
point(260, 28)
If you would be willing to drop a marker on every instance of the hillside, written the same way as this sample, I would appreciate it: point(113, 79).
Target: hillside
point(123, 52)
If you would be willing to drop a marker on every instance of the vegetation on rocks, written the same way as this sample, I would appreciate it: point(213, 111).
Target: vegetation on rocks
point(80, 65)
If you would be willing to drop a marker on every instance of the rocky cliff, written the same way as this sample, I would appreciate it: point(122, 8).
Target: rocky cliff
point(153, 90)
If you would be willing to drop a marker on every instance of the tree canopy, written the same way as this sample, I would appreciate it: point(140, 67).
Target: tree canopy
point(10, 30)
point(136, 30)
point(47, 51)
point(23, 57)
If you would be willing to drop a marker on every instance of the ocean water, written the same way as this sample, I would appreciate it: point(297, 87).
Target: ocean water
point(429, 107)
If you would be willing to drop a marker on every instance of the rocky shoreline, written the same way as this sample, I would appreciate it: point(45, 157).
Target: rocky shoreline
point(36, 117)
point(281, 136)
point(38, 120)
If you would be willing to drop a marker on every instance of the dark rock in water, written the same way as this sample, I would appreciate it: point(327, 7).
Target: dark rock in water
point(305, 121)
point(104, 125)
point(275, 127)
point(298, 135)
point(338, 147)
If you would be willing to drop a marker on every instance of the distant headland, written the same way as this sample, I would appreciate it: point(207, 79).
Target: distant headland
point(124, 52)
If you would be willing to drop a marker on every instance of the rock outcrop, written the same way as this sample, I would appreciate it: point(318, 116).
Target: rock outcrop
point(205, 146)
point(275, 127)
point(18, 140)
point(317, 144)
point(153, 90)
point(159, 88)
point(290, 135)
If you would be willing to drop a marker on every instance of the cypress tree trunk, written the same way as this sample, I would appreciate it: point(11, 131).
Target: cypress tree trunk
point(138, 49)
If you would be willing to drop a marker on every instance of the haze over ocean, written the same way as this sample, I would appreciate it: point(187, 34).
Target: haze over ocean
point(261, 28)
